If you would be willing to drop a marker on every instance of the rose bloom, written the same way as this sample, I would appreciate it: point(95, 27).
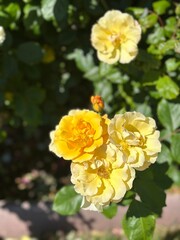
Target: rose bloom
point(115, 37)
point(103, 180)
point(2, 35)
point(78, 134)
point(136, 136)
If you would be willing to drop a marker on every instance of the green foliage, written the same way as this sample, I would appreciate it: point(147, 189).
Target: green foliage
point(29, 53)
point(139, 223)
point(175, 147)
point(110, 211)
point(160, 7)
point(169, 114)
point(167, 88)
point(67, 201)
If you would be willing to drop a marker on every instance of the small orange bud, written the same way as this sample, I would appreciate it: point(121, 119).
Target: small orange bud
point(97, 103)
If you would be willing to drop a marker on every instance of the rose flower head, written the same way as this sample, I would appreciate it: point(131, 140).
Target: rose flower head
point(115, 37)
point(103, 180)
point(136, 137)
point(78, 134)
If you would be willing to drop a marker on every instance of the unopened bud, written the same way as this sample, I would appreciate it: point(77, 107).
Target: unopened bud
point(97, 103)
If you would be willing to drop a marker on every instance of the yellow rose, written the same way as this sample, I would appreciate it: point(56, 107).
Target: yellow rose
point(102, 180)
point(136, 137)
point(115, 37)
point(78, 134)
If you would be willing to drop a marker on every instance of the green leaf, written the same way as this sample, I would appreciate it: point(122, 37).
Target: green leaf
point(144, 108)
point(30, 52)
point(160, 176)
point(165, 135)
point(5, 19)
point(128, 198)
point(104, 69)
point(32, 18)
point(67, 201)
point(172, 64)
point(92, 74)
point(167, 46)
point(167, 88)
point(177, 10)
point(169, 114)
point(160, 7)
point(110, 211)
point(157, 36)
point(147, 189)
point(139, 223)
point(61, 10)
point(84, 62)
point(116, 77)
point(13, 9)
point(173, 173)
point(175, 147)
point(149, 61)
point(148, 21)
point(137, 11)
point(164, 155)
point(170, 26)
point(104, 89)
point(47, 8)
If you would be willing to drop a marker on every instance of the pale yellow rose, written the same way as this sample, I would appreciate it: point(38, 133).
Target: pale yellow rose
point(78, 135)
point(115, 37)
point(104, 179)
point(136, 137)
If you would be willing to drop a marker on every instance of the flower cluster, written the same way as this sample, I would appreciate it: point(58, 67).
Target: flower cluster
point(115, 37)
point(105, 152)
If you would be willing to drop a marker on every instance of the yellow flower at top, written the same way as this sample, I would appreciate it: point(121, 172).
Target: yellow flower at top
point(102, 180)
point(136, 137)
point(115, 37)
point(78, 135)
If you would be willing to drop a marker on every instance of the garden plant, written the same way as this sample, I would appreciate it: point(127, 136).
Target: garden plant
point(89, 92)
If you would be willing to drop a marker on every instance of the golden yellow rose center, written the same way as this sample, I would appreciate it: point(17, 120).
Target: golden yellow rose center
point(116, 39)
point(131, 139)
point(83, 133)
point(103, 172)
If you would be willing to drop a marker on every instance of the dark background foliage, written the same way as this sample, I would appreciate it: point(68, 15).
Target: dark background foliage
point(48, 66)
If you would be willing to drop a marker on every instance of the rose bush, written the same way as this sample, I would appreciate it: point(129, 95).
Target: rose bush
point(49, 66)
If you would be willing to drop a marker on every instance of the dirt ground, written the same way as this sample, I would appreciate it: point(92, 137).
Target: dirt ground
point(37, 219)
